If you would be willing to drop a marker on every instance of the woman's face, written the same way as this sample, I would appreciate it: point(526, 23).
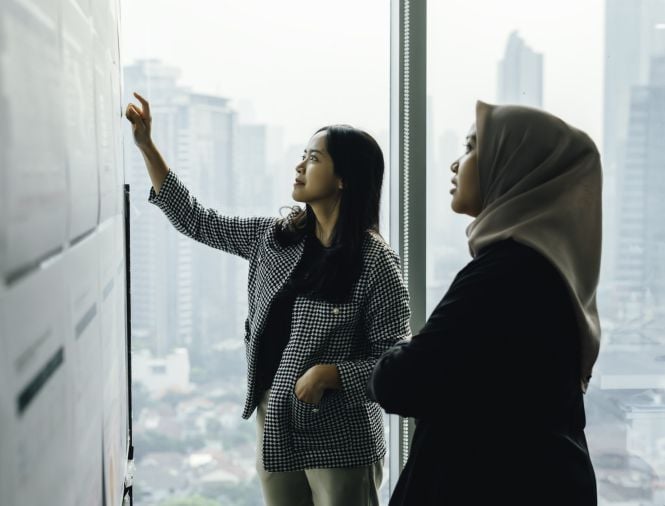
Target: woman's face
point(466, 180)
point(316, 180)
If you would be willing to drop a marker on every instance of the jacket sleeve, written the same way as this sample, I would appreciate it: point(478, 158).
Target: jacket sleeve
point(414, 379)
point(404, 380)
point(234, 235)
point(385, 323)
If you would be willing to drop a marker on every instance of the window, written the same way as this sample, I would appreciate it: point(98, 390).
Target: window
point(599, 65)
point(232, 112)
point(236, 89)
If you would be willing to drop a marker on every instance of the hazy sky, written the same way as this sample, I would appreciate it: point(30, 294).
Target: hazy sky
point(467, 40)
point(301, 64)
point(305, 63)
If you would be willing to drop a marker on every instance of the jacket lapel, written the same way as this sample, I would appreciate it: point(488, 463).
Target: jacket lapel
point(279, 265)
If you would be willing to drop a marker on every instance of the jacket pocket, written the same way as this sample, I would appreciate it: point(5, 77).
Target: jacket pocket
point(319, 425)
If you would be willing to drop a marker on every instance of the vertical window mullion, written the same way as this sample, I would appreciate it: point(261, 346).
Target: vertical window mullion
point(408, 100)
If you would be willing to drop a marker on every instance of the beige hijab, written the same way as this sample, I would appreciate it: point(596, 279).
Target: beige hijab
point(541, 182)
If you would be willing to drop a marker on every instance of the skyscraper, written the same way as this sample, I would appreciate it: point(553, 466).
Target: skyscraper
point(520, 74)
point(150, 292)
point(633, 36)
point(640, 275)
point(186, 294)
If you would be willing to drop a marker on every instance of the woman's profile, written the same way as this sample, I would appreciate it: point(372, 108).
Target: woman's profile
point(496, 376)
point(326, 299)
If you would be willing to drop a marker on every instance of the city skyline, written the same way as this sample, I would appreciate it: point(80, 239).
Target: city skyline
point(623, 405)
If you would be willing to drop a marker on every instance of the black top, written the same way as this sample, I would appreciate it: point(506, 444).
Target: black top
point(278, 324)
point(493, 379)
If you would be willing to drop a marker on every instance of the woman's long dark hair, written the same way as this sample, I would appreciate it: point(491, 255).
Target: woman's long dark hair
point(358, 161)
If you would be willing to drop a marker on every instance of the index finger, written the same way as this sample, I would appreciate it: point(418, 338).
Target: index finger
point(145, 105)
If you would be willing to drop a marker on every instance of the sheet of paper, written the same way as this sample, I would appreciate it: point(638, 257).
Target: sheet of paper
point(84, 347)
point(114, 364)
point(35, 417)
point(78, 111)
point(32, 138)
point(6, 413)
point(107, 106)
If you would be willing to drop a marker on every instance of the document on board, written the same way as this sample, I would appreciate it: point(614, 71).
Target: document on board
point(114, 362)
point(35, 411)
point(78, 118)
point(84, 348)
point(32, 140)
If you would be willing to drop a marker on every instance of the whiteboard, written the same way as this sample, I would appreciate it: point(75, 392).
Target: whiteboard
point(64, 425)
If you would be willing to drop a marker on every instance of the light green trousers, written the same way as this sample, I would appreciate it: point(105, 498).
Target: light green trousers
point(352, 486)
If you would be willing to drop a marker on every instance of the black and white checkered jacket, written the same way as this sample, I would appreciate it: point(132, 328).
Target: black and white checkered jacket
point(346, 428)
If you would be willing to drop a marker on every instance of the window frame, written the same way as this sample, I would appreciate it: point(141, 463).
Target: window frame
point(408, 173)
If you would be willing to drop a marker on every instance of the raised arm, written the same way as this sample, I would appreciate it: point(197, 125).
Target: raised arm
point(235, 235)
point(141, 128)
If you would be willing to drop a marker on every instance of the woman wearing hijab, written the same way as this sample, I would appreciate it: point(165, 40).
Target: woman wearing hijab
point(326, 299)
point(495, 378)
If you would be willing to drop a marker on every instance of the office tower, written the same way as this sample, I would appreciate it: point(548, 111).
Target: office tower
point(640, 274)
point(520, 74)
point(633, 36)
point(148, 247)
point(176, 279)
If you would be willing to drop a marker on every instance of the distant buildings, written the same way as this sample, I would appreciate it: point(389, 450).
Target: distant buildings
point(186, 294)
point(640, 268)
point(189, 301)
point(520, 74)
point(633, 36)
point(161, 375)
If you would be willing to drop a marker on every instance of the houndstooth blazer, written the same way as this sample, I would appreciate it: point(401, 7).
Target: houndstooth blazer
point(345, 429)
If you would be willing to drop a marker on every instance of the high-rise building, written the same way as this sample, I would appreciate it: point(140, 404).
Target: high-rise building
point(520, 74)
point(188, 294)
point(149, 231)
point(207, 137)
point(253, 189)
point(633, 36)
point(640, 273)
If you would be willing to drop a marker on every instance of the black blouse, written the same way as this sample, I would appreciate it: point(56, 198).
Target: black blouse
point(493, 379)
point(278, 325)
